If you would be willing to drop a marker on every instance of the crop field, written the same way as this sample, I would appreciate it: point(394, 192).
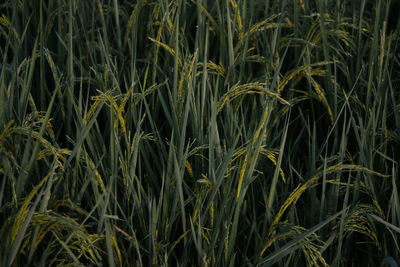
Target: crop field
point(199, 133)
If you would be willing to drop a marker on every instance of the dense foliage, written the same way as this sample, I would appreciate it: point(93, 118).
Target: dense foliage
point(199, 133)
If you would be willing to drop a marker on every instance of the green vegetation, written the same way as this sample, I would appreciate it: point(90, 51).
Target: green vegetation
point(199, 133)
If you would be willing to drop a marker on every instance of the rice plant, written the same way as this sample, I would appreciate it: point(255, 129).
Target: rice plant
point(199, 133)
